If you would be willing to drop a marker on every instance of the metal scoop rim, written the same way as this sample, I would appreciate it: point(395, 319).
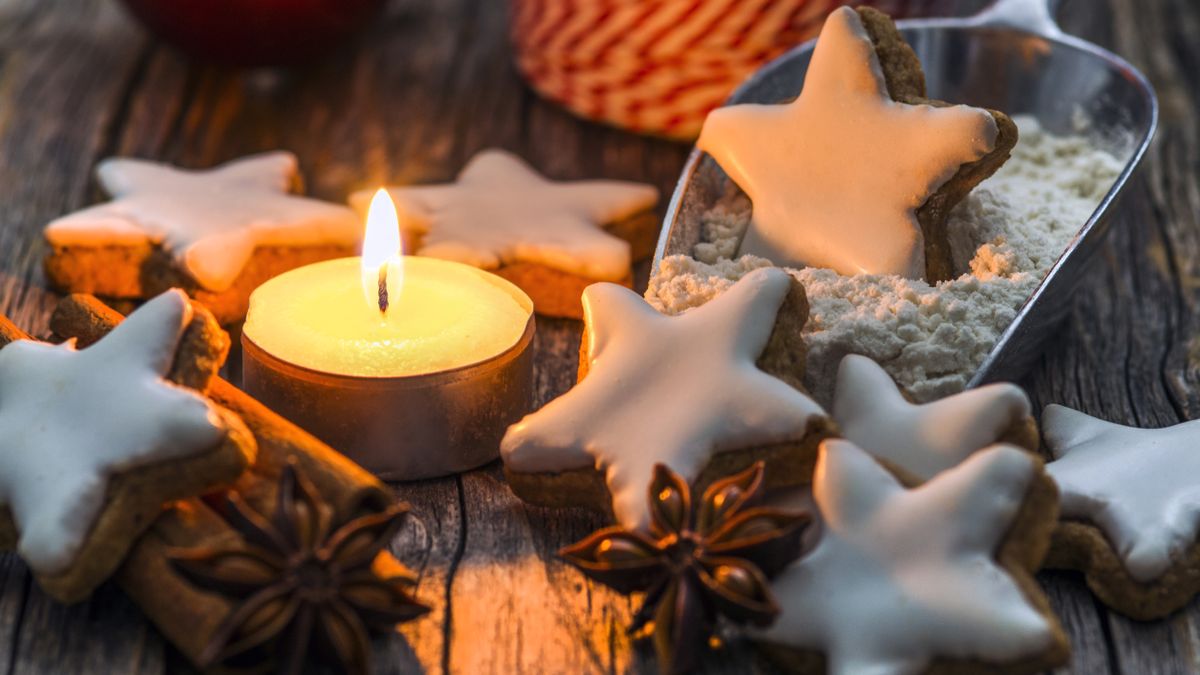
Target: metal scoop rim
point(1033, 17)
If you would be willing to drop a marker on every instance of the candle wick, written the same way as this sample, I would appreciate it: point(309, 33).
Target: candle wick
point(383, 290)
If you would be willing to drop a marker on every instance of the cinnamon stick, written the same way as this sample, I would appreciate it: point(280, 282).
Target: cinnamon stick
point(202, 348)
point(10, 333)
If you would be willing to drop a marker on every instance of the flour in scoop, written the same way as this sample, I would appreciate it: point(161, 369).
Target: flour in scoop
point(1005, 236)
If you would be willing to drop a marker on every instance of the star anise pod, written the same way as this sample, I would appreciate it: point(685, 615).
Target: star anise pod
point(303, 585)
point(696, 563)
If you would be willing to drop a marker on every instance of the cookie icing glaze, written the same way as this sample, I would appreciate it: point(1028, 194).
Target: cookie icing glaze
point(500, 211)
point(210, 221)
point(836, 176)
point(70, 419)
point(921, 439)
point(659, 389)
point(1139, 486)
point(901, 577)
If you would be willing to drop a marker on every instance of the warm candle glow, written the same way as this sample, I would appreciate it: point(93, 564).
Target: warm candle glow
point(449, 315)
point(382, 262)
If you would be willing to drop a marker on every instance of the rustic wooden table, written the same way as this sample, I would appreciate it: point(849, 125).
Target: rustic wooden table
point(426, 88)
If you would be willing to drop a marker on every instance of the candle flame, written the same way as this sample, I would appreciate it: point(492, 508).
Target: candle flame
point(382, 262)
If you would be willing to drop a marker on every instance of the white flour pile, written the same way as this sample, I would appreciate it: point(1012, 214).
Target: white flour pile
point(1006, 235)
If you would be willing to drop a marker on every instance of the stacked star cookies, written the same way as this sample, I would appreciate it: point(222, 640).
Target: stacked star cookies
point(907, 580)
point(934, 519)
point(931, 520)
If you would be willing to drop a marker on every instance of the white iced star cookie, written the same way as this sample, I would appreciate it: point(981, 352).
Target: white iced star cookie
point(684, 391)
point(93, 442)
point(901, 580)
point(924, 440)
point(218, 233)
point(550, 238)
point(859, 172)
point(1130, 509)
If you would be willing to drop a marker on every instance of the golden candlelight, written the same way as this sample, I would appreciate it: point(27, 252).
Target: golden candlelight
point(382, 257)
point(421, 381)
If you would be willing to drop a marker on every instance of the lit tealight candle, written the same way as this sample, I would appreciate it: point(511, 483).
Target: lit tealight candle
point(411, 366)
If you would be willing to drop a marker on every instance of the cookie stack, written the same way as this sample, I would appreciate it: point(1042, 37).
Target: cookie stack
point(896, 579)
point(932, 518)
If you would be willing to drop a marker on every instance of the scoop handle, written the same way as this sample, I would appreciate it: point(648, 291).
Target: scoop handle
point(1033, 16)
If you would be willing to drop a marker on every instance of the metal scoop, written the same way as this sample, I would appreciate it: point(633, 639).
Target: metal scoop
point(1010, 57)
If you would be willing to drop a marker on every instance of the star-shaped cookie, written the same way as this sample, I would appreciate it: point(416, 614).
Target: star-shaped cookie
point(210, 221)
point(902, 578)
point(682, 391)
point(500, 211)
point(858, 173)
point(924, 440)
point(77, 427)
point(1138, 492)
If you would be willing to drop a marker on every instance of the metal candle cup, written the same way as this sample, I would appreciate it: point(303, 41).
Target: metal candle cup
point(413, 367)
point(402, 428)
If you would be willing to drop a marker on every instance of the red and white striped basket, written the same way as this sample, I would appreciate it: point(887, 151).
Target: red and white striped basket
point(659, 66)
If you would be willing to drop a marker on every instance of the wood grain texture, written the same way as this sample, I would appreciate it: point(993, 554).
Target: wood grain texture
point(425, 88)
point(1129, 351)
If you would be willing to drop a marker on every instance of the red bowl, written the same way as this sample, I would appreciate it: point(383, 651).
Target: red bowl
point(254, 32)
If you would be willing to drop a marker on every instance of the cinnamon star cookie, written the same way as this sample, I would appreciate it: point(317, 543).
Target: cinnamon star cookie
point(683, 391)
point(1130, 509)
point(923, 440)
point(550, 238)
point(217, 233)
point(93, 442)
point(859, 172)
point(934, 579)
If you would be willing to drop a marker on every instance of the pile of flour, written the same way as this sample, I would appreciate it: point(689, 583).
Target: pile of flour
point(1005, 236)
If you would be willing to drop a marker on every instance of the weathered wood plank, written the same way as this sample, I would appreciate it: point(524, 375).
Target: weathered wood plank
point(510, 592)
point(106, 634)
point(1127, 353)
point(430, 544)
point(14, 589)
point(1167, 266)
point(67, 70)
point(1081, 618)
point(67, 67)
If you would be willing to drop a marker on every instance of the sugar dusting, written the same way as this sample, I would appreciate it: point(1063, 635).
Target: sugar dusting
point(1005, 236)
